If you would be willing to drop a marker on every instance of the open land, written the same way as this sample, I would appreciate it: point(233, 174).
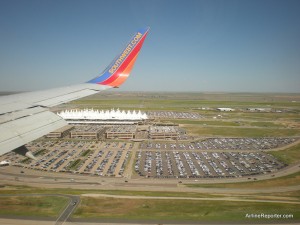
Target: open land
point(222, 166)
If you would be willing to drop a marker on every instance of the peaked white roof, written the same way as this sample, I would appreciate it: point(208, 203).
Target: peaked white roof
point(91, 114)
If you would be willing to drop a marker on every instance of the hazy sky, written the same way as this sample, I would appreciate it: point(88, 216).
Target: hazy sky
point(249, 46)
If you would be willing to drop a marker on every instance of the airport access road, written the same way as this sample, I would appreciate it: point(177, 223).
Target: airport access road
point(33, 178)
point(74, 200)
point(232, 199)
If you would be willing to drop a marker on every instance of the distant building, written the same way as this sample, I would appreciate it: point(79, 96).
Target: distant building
point(87, 131)
point(226, 109)
point(259, 109)
point(4, 163)
point(121, 132)
point(163, 132)
point(61, 132)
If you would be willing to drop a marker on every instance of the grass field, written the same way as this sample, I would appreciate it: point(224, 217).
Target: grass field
point(74, 164)
point(204, 122)
point(32, 190)
point(239, 131)
point(289, 156)
point(288, 180)
point(266, 124)
point(146, 209)
point(261, 116)
point(187, 101)
point(230, 124)
point(218, 122)
point(46, 206)
point(168, 210)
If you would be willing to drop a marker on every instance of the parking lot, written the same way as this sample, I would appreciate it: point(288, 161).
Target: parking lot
point(181, 164)
point(172, 115)
point(222, 144)
point(92, 158)
point(210, 158)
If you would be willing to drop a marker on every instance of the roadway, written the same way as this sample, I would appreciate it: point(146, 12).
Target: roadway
point(65, 214)
point(40, 179)
point(33, 178)
point(70, 207)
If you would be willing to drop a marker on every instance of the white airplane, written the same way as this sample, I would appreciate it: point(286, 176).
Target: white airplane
point(25, 117)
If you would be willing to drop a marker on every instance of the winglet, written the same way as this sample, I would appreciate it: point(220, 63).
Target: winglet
point(118, 71)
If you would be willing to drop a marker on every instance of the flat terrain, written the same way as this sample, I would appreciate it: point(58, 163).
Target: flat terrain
point(167, 210)
point(32, 206)
point(282, 119)
point(132, 198)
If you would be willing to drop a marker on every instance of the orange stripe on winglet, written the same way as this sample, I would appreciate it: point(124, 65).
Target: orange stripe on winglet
point(123, 76)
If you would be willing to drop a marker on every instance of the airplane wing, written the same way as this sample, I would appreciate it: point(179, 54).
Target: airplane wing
point(25, 117)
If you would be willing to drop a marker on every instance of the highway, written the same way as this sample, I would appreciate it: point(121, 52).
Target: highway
point(12, 176)
point(74, 200)
point(70, 207)
point(42, 179)
point(232, 199)
point(64, 216)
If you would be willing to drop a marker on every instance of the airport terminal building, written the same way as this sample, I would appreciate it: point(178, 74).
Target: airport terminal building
point(87, 116)
point(115, 124)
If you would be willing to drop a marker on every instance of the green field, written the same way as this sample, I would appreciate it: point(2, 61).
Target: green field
point(45, 206)
point(240, 123)
point(181, 101)
point(178, 210)
point(148, 209)
point(85, 153)
point(74, 164)
point(266, 124)
point(289, 156)
point(33, 190)
point(204, 122)
point(189, 102)
point(240, 131)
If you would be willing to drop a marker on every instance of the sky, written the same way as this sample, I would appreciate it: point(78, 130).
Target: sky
point(193, 45)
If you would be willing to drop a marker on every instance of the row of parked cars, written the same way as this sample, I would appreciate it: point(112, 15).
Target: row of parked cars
point(183, 164)
point(223, 144)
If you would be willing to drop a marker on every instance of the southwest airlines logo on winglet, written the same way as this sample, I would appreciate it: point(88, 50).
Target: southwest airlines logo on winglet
point(125, 53)
point(119, 69)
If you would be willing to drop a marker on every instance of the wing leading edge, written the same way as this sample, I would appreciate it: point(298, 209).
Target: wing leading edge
point(24, 117)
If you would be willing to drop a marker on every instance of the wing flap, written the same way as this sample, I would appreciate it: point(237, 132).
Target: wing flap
point(66, 98)
point(21, 131)
point(19, 114)
point(14, 106)
point(48, 98)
